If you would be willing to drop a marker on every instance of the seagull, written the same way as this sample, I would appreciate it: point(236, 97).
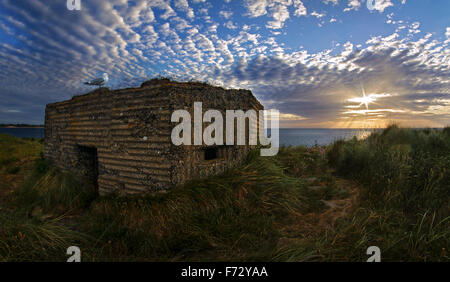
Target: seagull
point(98, 81)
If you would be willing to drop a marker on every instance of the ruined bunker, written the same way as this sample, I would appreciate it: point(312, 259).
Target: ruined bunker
point(121, 139)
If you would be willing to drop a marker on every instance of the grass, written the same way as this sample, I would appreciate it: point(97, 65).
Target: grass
point(14, 150)
point(48, 190)
point(400, 168)
point(305, 204)
point(16, 159)
point(405, 177)
point(24, 238)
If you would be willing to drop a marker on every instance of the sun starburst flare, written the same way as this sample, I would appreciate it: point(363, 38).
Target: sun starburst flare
point(366, 99)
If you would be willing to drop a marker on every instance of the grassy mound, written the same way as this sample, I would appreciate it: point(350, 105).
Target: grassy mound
point(234, 216)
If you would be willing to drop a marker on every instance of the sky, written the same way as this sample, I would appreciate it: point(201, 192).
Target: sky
point(321, 63)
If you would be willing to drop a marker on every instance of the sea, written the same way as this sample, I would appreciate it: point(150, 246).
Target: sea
point(288, 136)
point(24, 132)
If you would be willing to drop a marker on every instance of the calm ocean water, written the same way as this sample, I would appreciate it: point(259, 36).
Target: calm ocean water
point(288, 136)
point(319, 136)
point(24, 132)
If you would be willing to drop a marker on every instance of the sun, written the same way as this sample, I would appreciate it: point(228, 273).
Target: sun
point(364, 100)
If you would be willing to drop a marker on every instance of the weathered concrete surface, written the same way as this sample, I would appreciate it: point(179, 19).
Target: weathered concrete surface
point(129, 130)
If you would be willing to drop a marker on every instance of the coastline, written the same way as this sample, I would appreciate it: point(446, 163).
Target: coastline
point(21, 126)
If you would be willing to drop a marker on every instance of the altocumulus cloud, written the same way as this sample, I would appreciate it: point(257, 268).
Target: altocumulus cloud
point(46, 51)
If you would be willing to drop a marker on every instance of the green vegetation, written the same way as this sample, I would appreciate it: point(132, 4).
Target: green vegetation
point(305, 204)
point(13, 150)
point(16, 159)
point(405, 177)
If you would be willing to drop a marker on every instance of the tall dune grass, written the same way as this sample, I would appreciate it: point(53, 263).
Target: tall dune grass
point(229, 217)
point(406, 187)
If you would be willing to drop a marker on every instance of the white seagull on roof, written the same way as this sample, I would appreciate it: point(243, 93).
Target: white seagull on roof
point(99, 81)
